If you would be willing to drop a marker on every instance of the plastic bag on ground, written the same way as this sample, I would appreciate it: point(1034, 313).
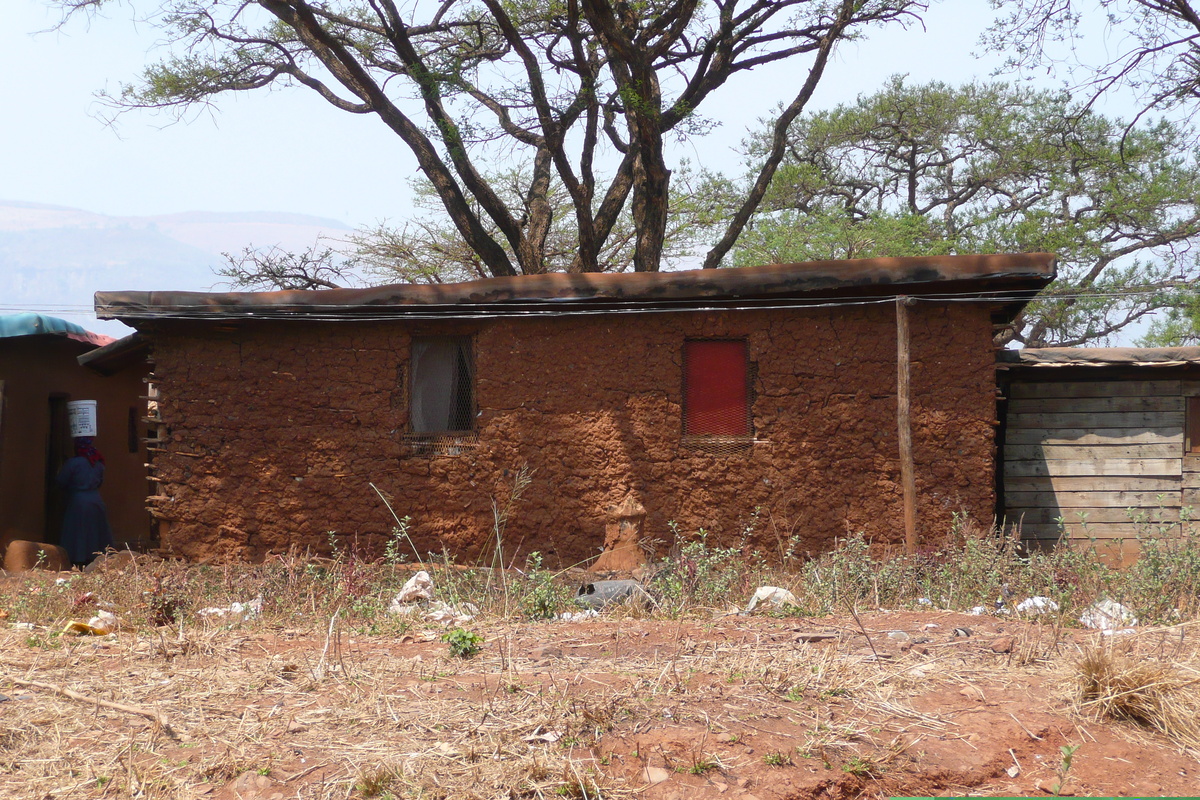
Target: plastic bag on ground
point(444, 612)
point(248, 610)
point(772, 597)
point(418, 588)
point(1037, 605)
point(100, 625)
point(1107, 615)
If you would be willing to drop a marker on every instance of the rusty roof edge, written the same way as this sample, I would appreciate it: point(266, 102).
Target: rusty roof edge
point(1029, 270)
point(1049, 357)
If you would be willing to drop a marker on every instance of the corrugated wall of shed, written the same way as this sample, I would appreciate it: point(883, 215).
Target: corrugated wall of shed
point(1098, 459)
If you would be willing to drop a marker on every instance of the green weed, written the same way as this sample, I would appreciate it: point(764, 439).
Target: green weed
point(463, 643)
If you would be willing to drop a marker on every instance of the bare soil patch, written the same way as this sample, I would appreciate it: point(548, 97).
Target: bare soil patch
point(617, 706)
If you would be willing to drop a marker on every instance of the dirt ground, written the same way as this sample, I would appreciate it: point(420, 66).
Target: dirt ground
point(615, 706)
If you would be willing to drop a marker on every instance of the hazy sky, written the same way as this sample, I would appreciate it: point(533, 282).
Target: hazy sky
point(290, 151)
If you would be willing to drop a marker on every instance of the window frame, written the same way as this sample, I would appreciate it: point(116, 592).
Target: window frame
point(748, 435)
point(465, 350)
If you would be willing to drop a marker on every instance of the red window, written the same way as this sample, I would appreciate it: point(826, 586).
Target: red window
point(716, 388)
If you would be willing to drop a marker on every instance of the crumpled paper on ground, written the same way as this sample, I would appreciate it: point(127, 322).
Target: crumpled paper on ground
point(102, 624)
point(772, 597)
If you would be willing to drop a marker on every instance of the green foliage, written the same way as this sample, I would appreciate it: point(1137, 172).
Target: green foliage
point(861, 767)
point(992, 168)
point(470, 88)
point(394, 550)
point(541, 597)
point(696, 573)
point(463, 643)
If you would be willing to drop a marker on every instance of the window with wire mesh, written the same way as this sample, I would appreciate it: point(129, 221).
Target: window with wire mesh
point(716, 394)
point(441, 408)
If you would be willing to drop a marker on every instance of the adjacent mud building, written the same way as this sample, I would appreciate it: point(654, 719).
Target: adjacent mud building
point(758, 405)
point(40, 372)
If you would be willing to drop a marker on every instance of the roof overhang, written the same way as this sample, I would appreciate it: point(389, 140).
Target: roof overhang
point(1044, 358)
point(1006, 281)
point(117, 355)
point(32, 324)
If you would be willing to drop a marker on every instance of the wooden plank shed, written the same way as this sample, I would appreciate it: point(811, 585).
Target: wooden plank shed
point(1099, 444)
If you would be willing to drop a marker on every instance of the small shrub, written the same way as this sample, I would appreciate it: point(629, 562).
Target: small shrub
point(543, 597)
point(861, 767)
point(463, 643)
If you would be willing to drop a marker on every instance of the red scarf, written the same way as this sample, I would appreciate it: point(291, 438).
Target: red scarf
point(83, 447)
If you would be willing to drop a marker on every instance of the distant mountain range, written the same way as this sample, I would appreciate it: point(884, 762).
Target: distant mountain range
point(53, 259)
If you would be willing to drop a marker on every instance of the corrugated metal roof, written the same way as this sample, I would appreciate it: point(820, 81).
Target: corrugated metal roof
point(30, 324)
point(1100, 357)
point(1011, 279)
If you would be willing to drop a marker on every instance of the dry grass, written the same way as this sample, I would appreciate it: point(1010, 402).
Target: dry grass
point(1159, 695)
point(329, 695)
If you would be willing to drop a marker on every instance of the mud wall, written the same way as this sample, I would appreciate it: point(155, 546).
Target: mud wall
point(276, 431)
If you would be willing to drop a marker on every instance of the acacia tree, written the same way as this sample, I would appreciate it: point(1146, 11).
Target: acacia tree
point(1152, 46)
point(991, 168)
point(578, 89)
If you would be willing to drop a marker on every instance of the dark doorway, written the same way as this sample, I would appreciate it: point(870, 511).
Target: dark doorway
point(58, 450)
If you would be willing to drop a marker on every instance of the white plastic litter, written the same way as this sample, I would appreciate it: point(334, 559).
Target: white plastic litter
point(772, 597)
point(1037, 605)
point(1107, 615)
point(248, 610)
point(899, 636)
point(102, 624)
point(418, 588)
point(977, 611)
point(1121, 632)
point(444, 612)
point(579, 616)
point(924, 601)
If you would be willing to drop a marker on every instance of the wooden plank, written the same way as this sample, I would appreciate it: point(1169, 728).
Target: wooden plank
point(1093, 483)
point(1114, 499)
point(908, 480)
point(1115, 467)
point(1191, 463)
point(1094, 405)
point(1077, 436)
point(1095, 452)
point(1191, 499)
point(1094, 389)
point(1100, 530)
point(1191, 480)
point(1145, 420)
point(1052, 514)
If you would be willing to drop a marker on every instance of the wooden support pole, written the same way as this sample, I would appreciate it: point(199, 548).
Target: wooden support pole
point(908, 481)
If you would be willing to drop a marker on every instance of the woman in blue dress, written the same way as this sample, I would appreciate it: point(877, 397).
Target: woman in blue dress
point(85, 530)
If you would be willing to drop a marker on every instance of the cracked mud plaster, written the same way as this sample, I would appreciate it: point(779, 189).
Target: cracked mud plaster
point(292, 421)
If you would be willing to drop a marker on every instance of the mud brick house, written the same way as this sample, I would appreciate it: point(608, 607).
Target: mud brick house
point(1100, 445)
point(700, 396)
point(40, 372)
